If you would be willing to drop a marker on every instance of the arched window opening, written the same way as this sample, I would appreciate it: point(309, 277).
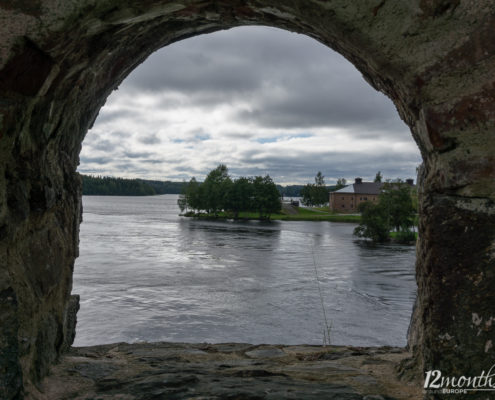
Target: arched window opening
point(262, 101)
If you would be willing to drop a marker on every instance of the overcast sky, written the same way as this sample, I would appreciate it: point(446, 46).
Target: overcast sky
point(262, 101)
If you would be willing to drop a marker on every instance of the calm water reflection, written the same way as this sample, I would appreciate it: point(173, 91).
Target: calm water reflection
point(145, 274)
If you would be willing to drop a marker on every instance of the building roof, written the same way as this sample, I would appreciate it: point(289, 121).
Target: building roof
point(362, 188)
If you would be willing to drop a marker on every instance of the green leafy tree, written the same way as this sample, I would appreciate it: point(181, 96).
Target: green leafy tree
point(320, 192)
point(214, 189)
point(394, 211)
point(414, 199)
point(374, 222)
point(266, 197)
point(239, 196)
point(319, 179)
point(341, 182)
point(193, 195)
point(307, 195)
point(315, 194)
point(378, 176)
point(397, 200)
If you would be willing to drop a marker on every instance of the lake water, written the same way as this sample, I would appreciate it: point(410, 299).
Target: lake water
point(146, 274)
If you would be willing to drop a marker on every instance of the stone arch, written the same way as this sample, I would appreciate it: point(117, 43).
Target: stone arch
point(58, 63)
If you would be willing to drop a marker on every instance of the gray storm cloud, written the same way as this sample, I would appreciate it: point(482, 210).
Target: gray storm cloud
point(258, 99)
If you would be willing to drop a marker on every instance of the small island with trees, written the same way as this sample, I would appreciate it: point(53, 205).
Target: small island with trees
point(253, 198)
point(219, 193)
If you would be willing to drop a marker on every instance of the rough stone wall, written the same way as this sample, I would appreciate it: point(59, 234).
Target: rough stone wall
point(59, 60)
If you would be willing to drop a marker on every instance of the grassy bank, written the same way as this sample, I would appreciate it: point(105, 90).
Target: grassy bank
point(297, 214)
point(306, 214)
point(394, 236)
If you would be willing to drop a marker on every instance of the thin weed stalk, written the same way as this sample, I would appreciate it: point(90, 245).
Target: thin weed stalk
point(326, 330)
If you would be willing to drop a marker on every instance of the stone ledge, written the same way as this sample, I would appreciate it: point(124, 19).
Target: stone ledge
point(227, 371)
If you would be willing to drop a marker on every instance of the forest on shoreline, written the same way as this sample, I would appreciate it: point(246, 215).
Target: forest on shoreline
point(112, 186)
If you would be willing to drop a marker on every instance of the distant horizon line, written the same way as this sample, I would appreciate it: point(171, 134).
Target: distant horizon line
point(348, 181)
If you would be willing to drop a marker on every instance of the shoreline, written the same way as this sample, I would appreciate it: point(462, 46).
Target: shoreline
point(308, 216)
point(280, 217)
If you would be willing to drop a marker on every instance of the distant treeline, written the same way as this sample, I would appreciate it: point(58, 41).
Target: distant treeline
point(109, 186)
point(290, 191)
point(297, 190)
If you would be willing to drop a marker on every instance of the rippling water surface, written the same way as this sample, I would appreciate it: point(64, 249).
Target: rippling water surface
point(145, 274)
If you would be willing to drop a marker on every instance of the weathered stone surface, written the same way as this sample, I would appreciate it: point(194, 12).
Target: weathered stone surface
point(205, 371)
point(435, 59)
point(10, 369)
point(70, 321)
point(457, 327)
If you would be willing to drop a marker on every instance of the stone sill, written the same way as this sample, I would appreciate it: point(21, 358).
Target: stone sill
point(227, 371)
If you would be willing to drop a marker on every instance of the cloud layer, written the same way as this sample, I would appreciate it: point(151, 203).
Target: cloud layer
point(258, 99)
